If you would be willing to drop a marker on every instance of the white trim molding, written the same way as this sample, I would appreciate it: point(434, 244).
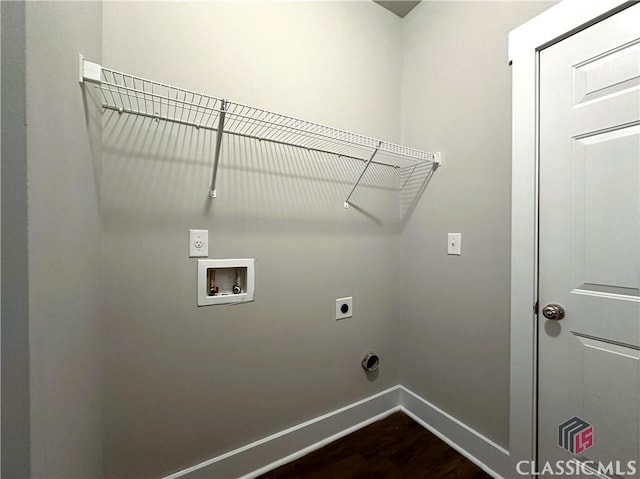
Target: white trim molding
point(273, 451)
point(486, 454)
point(525, 44)
point(285, 446)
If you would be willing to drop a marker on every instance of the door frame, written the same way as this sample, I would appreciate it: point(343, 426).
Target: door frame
point(525, 43)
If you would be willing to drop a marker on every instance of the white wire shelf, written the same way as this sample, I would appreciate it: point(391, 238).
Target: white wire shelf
point(127, 93)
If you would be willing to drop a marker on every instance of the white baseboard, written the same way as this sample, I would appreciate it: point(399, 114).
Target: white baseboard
point(273, 451)
point(483, 452)
point(285, 446)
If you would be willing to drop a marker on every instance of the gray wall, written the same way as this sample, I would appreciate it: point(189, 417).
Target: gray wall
point(456, 97)
point(15, 281)
point(186, 383)
point(63, 147)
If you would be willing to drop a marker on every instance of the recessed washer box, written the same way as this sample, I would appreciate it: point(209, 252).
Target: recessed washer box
point(223, 281)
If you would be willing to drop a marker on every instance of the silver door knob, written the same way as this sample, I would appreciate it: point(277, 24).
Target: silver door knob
point(553, 311)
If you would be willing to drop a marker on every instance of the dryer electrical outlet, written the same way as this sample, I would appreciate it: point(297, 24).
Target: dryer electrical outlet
point(344, 308)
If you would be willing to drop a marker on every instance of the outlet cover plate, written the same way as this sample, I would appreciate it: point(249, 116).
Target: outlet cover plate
point(344, 308)
point(198, 243)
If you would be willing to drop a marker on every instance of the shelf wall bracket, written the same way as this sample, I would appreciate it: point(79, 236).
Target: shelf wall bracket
point(216, 157)
point(88, 71)
point(437, 160)
point(364, 170)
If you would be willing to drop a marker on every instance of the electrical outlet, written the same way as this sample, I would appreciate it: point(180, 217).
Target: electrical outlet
point(454, 244)
point(344, 308)
point(198, 243)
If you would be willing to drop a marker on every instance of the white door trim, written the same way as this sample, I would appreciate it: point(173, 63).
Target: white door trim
point(525, 43)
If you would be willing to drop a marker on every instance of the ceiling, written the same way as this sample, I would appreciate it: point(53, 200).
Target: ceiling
point(399, 7)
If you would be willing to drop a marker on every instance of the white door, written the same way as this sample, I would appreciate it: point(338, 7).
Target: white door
point(589, 249)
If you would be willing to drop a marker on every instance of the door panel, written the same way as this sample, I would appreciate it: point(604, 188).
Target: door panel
point(608, 369)
point(606, 173)
point(589, 246)
point(605, 84)
point(607, 75)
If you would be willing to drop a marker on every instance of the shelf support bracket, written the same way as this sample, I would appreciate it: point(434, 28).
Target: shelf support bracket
point(216, 157)
point(366, 167)
point(88, 71)
point(437, 160)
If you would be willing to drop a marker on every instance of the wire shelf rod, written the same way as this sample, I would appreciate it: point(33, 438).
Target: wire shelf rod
point(276, 127)
point(216, 158)
point(292, 125)
point(364, 170)
point(145, 94)
point(107, 71)
point(111, 88)
point(409, 177)
point(243, 135)
point(314, 144)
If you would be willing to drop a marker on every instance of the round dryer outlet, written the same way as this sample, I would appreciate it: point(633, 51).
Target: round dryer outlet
point(344, 308)
point(370, 362)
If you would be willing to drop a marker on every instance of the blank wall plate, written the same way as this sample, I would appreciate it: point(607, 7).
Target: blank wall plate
point(344, 308)
point(454, 244)
point(198, 243)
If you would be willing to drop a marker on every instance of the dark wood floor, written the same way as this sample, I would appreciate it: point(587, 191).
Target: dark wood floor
point(396, 447)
